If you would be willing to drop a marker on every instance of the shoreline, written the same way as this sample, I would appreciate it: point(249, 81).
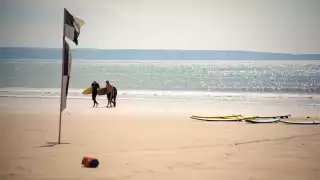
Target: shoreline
point(162, 94)
point(256, 91)
point(182, 108)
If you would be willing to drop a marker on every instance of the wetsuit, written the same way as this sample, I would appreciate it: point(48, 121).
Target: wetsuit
point(95, 87)
point(115, 92)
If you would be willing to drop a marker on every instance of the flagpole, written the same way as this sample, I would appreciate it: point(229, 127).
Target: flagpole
point(64, 16)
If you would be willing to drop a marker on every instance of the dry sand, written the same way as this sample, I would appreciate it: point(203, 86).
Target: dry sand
point(134, 142)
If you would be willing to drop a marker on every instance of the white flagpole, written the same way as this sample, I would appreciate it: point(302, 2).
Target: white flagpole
point(64, 16)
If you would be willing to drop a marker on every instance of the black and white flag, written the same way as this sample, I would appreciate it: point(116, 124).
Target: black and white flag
point(66, 69)
point(72, 26)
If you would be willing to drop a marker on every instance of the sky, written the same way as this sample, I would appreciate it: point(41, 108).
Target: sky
point(289, 26)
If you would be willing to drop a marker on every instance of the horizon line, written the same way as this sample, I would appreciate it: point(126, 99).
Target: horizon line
point(134, 49)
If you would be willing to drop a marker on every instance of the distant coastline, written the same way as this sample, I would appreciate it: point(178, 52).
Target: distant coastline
point(139, 54)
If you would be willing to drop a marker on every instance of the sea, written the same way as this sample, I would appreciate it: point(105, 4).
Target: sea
point(254, 81)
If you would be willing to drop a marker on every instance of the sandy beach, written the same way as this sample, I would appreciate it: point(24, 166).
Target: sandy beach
point(153, 140)
point(165, 62)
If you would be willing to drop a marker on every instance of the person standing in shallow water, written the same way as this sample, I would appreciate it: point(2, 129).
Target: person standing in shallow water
point(95, 86)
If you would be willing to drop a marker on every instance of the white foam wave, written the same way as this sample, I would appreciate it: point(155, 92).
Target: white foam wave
point(155, 94)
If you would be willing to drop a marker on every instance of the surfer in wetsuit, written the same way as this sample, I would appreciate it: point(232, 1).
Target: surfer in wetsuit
point(114, 97)
point(95, 86)
point(111, 94)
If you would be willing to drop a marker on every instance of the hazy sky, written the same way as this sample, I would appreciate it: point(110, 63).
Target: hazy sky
point(259, 25)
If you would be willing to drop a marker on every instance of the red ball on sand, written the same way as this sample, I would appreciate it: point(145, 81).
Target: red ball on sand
point(90, 162)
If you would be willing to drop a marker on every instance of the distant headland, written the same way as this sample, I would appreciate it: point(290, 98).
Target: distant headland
point(140, 54)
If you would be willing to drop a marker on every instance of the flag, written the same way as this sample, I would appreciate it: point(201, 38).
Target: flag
point(72, 26)
point(66, 69)
point(71, 30)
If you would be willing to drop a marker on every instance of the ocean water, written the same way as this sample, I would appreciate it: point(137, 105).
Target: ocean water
point(209, 81)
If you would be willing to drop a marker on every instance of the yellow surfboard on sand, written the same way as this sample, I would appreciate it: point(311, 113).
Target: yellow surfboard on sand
point(224, 118)
point(228, 116)
point(87, 91)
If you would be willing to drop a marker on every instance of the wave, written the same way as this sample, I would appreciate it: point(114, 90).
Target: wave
point(262, 89)
point(162, 94)
point(309, 90)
